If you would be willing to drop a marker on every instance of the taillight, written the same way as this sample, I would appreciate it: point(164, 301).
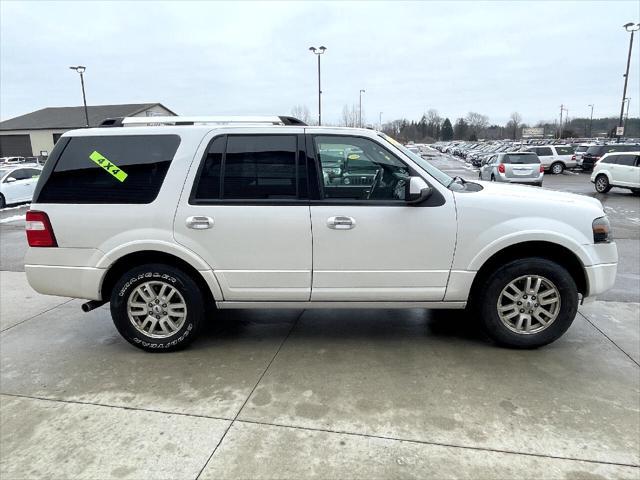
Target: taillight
point(501, 168)
point(596, 159)
point(573, 157)
point(541, 169)
point(39, 231)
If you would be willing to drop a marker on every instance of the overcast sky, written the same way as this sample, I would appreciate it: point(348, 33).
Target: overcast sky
point(207, 58)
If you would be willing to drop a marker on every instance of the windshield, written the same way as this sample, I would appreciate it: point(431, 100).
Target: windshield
point(4, 171)
point(440, 176)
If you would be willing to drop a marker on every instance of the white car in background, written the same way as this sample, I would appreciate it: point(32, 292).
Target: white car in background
point(17, 184)
point(617, 169)
point(554, 158)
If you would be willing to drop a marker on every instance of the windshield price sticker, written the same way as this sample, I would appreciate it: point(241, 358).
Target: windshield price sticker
point(109, 166)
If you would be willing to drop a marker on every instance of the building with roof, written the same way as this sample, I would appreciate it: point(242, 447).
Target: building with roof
point(35, 133)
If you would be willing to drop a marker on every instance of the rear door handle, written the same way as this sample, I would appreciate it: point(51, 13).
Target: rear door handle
point(199, 223)
point(341, 223)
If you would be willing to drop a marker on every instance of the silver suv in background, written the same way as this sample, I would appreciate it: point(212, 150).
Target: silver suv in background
point(513, 167)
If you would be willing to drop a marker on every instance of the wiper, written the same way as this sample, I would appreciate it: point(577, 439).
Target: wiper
point(460, 180)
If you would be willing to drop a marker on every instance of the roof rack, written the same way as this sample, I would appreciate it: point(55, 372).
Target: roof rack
point(217, 120)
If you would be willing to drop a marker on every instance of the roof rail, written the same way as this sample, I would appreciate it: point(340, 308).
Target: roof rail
point(217, 120)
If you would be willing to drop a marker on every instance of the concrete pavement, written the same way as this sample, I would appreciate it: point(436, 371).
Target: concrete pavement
point(325, 394)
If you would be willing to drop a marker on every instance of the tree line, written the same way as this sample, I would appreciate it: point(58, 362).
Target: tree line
point(474, 126)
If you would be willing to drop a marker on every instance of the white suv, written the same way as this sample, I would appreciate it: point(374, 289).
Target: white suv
point(555, 158)
point(617, 169)
point(169, 223)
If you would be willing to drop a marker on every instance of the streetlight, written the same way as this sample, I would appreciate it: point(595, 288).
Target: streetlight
point(590, 119)
point(360, 114)
point(626, 115)
point(380, 118)
point(629, 27)
point(80, 69)
point(318, 52)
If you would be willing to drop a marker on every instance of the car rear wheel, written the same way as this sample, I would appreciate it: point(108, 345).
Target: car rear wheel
point(157, 308)
point(528, 303)
point(3, 203)
point(557, 168)
point(602, 184)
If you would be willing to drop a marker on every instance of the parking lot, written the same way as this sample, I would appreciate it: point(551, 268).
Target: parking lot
point(322, 393)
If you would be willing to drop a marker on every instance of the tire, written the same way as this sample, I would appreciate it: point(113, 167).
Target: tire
point(635, 191)
point(602, 184)
point(493, 179)
point(3, 203)
point(167, 332)
point(557, 168)
point(552, 275)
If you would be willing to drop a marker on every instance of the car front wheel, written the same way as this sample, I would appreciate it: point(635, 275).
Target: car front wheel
point(602, 184)
point(528, 303)
point(157, 308)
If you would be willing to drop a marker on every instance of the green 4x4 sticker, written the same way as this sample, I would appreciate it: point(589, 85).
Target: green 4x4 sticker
point(108, 166)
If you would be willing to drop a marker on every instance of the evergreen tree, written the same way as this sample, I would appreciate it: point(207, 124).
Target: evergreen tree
point(447, 130)
point(461, 129)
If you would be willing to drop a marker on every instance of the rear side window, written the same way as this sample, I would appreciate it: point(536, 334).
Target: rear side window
point(260, 166)
point(596, 151)
point(610, 159)
point(521, 158)
point(250, 167)
point(110, 169)
point(627, 160)
point(564, 150)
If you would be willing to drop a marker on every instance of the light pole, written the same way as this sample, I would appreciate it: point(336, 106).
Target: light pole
point(626, 115)
point(80, 69)
point(380, 120)
point(629, 27)
point(360, 109)
point(590, 120)
point(562, 109)
point(319, 51)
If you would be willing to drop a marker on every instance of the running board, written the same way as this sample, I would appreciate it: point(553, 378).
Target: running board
point(310, 305)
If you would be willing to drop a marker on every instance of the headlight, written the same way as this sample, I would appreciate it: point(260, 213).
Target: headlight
point(602, 230)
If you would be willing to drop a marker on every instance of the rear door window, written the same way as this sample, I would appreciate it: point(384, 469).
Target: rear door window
point(610, 159)
point(626, 160)
point(110, 169)
point(564, 150)
point(544, 151)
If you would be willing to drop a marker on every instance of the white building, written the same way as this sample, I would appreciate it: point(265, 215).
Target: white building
point(35, 133)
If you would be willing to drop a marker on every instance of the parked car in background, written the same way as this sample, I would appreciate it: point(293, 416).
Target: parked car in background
point(580, 150)
point(594, 153)
point(617, 169)
point(513, 167)
point(554, 158)
point(17, 184)
point(11, 160)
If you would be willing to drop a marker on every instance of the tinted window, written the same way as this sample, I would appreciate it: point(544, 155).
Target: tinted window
point(543, 151)
point(628, 160)
point(360, 169)
point(610, 159)
point(520, 158)
point(260, 167)
point(208, 187)
point(564, 150)
point(110, 169)
point(20, 174)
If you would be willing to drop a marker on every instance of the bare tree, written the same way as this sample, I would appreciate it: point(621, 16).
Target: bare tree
point(434, 120)
point(514, 122)
point(349, 116)
point(477, 122)
point(301, 112)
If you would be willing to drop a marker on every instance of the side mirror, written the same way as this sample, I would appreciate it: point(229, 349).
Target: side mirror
point(417, 191)
point(9, 180)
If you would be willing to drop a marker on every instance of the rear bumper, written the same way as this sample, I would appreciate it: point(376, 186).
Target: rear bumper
point(76, 282)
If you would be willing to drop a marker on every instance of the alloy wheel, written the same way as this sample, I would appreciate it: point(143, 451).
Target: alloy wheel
point(157, 309)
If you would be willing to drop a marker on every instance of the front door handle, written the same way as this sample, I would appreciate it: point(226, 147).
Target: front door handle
point(341, 223)
point(199, 223)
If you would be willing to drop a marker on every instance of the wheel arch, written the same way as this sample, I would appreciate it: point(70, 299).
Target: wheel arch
point(540, 249)
point(208, 286)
